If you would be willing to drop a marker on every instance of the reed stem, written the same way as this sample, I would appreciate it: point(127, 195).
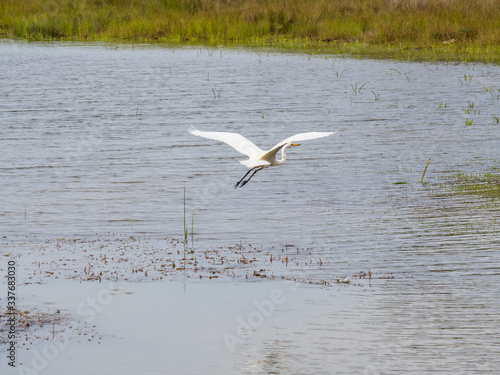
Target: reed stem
point(425, 170)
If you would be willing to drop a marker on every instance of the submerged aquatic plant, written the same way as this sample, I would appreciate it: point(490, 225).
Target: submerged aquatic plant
point(356, 90)
point(342, 73)
point(378, 97)
point(485, 185)
point(192, 228)
point(423, 174)
point(186, 224)
point(408, 78)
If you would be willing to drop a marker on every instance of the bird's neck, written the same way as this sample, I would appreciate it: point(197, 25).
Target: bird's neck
point(283, 155)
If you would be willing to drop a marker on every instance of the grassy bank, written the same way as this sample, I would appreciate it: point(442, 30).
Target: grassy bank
point(428, 29)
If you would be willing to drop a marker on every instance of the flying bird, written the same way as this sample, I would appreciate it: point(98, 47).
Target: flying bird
point(258, 159)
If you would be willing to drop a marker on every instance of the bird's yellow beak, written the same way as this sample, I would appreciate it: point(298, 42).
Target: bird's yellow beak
point(295, 144)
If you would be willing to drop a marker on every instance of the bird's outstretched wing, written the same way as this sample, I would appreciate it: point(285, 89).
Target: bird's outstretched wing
point(236, 141)
point(298, 138)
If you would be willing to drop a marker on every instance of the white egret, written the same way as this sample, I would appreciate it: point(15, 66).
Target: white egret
point(258, 159)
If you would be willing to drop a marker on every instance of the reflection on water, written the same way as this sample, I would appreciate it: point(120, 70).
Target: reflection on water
point(94, 140)
point(227, 328)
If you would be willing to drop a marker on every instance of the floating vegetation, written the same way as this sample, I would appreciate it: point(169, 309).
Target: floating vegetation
point(145, 259)
point(35, 325)
point(485, 185)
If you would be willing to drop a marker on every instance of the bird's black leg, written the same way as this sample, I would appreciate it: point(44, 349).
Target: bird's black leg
point(246, 181)
point(239, 182)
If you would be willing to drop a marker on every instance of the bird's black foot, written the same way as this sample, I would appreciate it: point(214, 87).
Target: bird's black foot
point(240, 184)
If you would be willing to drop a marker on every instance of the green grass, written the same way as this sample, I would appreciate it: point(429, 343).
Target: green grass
point(403, 29)
point(485, 185)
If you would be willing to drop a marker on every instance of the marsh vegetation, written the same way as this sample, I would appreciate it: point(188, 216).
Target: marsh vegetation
point(441, 29)
point(485, 185)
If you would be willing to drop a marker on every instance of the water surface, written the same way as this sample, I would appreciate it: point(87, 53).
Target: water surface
point(94, 141)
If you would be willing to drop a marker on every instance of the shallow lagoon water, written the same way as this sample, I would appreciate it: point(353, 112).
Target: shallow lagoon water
point(262, 328)
point(94, 140)
point(158, 328)
point(95, 137)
